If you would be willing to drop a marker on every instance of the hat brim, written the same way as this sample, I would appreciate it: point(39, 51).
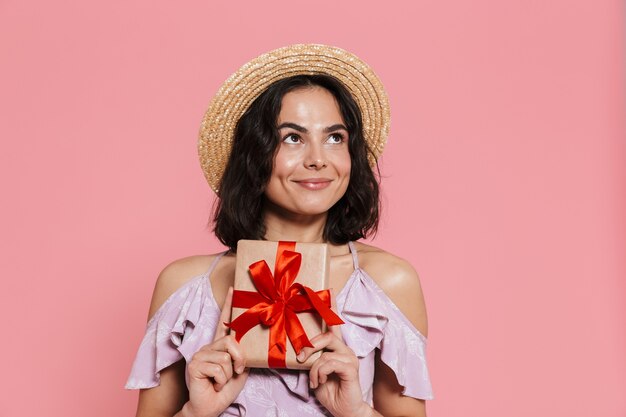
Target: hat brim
point(239, 91)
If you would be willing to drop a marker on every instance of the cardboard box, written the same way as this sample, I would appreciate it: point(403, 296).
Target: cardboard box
point(313, 273)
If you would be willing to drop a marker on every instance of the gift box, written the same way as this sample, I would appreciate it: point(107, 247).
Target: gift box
point(280, 301)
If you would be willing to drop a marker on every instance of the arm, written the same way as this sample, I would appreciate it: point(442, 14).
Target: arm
point(212, 383)
point(388, 398)
point(335, 375)
point(167, 398)
point(400, 282)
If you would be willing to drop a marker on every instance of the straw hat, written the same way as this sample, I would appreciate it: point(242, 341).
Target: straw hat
point(244, 86)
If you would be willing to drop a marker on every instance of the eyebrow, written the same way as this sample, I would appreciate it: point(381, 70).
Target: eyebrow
point(302, 129)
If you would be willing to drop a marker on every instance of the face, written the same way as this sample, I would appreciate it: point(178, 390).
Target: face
point(312, 166)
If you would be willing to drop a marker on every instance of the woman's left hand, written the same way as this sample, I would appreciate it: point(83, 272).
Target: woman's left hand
point(335, 375)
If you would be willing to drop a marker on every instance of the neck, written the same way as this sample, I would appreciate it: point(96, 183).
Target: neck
point(281, 225)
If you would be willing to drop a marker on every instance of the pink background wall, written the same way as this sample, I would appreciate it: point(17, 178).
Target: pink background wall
point(504, 183)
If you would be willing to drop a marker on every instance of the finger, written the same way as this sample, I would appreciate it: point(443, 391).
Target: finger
point(229, 345)
point(327, 341)
point(337, 332)
point(221, 358)
point(324, 358)
point(237, 354)
point(222, 330)
point(201, 370)
point(343, 370)
point(206, 362)
point(333, 305)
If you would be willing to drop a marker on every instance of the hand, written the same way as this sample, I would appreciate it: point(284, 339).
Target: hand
point(217, 371)
point(335, 375)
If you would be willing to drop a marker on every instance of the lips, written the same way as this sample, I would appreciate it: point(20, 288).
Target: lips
point(314, 184)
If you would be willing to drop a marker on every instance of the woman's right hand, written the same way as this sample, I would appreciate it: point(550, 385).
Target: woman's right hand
point(216, 372)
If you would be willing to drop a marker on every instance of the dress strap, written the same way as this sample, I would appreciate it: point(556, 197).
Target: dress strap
point(355, 257)
point(214, 263)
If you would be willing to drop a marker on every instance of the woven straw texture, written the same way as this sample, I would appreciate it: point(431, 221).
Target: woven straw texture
point(244, 86)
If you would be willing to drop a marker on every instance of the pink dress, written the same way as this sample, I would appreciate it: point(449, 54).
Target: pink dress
point(188, 318)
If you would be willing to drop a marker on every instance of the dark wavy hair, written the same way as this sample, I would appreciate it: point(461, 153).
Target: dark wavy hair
point(238, 212)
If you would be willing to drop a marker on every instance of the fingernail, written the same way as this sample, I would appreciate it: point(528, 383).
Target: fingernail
point(239, 370)
point(300, 356)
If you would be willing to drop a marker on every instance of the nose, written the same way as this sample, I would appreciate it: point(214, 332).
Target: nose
point(316, 164)
point(315, 157)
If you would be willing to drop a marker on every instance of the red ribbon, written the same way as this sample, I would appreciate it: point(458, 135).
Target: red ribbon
point(276, 303)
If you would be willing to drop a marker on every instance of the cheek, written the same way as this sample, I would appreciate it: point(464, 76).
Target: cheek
point(348, 165)
point(284, 163)
point(344, 164)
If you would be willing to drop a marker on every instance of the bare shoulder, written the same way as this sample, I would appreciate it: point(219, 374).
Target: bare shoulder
point(388, 270)
point(398, 279)
point(175, 275)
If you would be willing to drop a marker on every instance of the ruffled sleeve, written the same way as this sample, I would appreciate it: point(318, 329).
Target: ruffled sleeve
point(184, 323)
point(376, 322)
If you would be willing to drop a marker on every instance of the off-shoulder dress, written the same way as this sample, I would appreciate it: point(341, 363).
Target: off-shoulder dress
point(188, 319)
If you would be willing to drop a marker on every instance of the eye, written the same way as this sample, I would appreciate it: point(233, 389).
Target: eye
point(291, 138)
point(336, 138)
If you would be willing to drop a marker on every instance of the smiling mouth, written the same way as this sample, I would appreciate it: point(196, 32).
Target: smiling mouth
point(314, 184)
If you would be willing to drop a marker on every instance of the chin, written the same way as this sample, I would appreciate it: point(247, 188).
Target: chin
point(309, 209)
point(305, 207)
point(317, 203)
point(294, 200)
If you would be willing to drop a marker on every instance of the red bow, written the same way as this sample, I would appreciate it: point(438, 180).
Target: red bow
point(277, 302)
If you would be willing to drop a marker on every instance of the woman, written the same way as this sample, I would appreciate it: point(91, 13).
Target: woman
point(288, 144)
